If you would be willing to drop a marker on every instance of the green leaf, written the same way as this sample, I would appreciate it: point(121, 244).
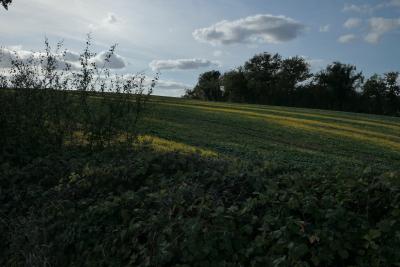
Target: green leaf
point(300, 251)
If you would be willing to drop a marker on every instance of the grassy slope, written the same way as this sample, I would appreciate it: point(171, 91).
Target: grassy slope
point(302, 138)
point(311, 206)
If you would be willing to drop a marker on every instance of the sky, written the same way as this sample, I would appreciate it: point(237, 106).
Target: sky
point(181, 39)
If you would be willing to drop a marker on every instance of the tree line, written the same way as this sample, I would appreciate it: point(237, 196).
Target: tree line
point(270, 79)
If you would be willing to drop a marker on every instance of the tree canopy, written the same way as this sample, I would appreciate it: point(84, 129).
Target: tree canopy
point(341, 81)
point(208, 87)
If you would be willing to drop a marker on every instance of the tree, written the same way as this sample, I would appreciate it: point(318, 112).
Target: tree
point(392, 93)
point(235, 86)
point(208, 87)
point(341, 81)
point(374, 91)
point(261, 74)
point(5, 3)
point(292, 72)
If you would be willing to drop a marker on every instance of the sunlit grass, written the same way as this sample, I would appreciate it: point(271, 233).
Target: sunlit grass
point(156, 143)
point(163, 145)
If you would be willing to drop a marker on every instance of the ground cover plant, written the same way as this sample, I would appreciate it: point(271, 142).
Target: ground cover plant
point(142, 208)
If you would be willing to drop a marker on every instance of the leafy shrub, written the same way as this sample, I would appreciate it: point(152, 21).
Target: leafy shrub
point(45, 103)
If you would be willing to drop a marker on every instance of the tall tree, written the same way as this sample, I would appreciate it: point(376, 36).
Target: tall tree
point(5, 3)
point(374, 91)
point(342, 82)
point(261, 74)
point(208, 87)
point(292, 72)
point(392, 93)
point(235, 86)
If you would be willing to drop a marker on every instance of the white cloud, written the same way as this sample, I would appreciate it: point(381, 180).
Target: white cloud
point(369, 9)
point(109, 22)
point(115, 61)
point(70, 57)
point(352, 23)
point(359, 8)
point(165, 85)
point(325, 28)
point(168, 87)
point(380, 26)
point(258, 28)
point(7, 55)
point(171, 85)
point(347, 38)
point(17, 53)
point(111, 18)
point(182, 64)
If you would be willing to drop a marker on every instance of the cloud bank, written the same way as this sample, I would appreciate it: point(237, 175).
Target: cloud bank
point(182, 64)
point(347, 38)
point(259, 28)
point(359, 8)
point(171, 85)
point(352, 23)
point(7, 55)
point(368, 8)
point(380, 26)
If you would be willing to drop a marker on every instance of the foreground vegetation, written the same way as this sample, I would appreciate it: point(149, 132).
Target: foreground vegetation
point(210, 184)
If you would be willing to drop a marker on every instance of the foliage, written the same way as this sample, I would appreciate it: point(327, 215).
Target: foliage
point(208, 87)
point(235, 84)
point(261, 75)
point(141, 208)
point(341, 82)
point(381, 93)
point(374, 91)
point(293, 71)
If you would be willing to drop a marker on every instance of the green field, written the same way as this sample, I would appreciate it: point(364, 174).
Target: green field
point(203, 184)
point(301, 138)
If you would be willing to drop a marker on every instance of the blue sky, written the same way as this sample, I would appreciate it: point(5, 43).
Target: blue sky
point(183, 38)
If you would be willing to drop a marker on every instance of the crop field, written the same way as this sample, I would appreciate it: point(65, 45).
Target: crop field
point(200, 184)
point(309, 139)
